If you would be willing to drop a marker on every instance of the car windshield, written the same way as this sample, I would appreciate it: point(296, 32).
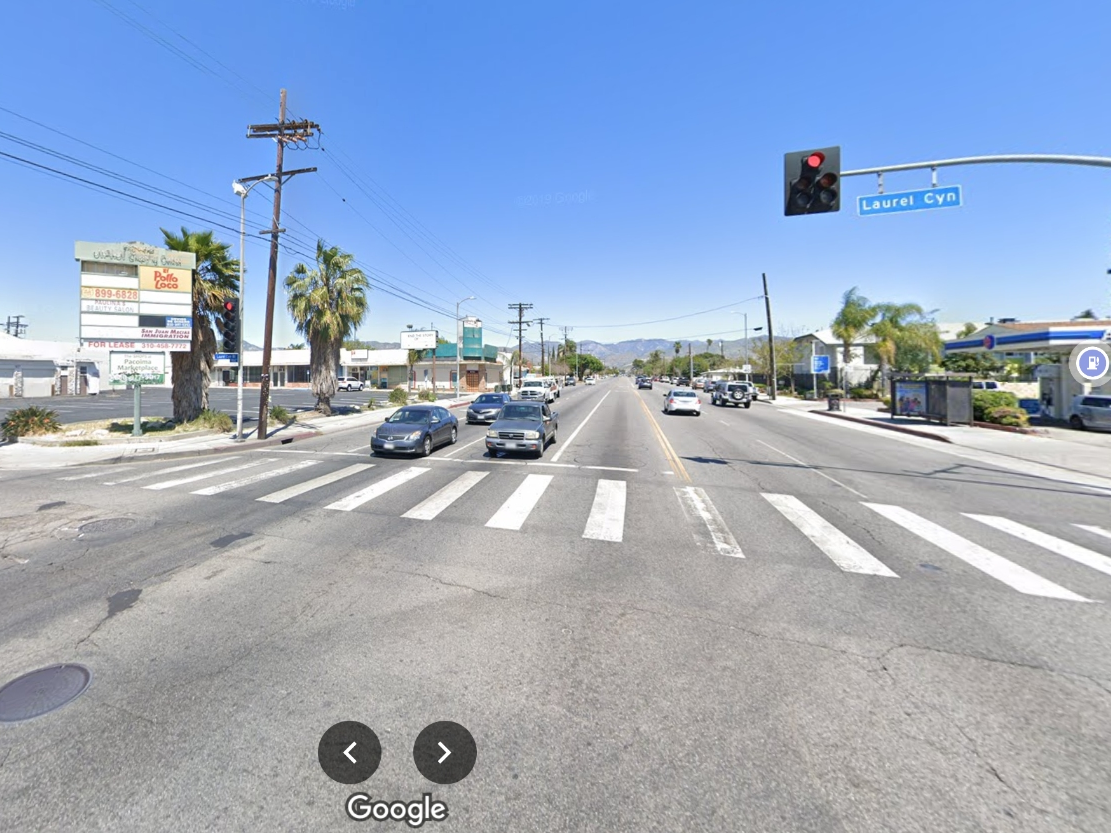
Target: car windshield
point(411, 415)
point(520, 412)
point(683, 394)
point(489, 399)
point(533, 383)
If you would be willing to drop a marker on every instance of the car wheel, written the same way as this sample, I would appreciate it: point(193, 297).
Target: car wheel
point(454, 435)
point(698, 413)
point(1076, 422)
point(553, 436)
point(426, 448)
point(540, 450)
point(748, 404)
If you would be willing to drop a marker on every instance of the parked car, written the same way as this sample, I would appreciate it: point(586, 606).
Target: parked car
point(486, 407)
point(349, 383)
point(415, 429)
point(731, 393)
point(536, 390)
point(682, 400)
point(1091, 411)
point(644, 382)
point(523, 426)
point(590, 380)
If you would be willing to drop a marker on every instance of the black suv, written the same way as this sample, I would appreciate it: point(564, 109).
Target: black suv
point(732, 393)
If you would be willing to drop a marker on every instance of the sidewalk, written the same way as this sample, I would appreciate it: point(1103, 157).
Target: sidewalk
point(1087, 452)
point(15, 456)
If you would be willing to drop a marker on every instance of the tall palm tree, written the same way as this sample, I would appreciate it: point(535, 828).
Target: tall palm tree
point(678, 347)
point(852, 321)
point(889, 328)
point(215, 280)
point(412, 359)
point(709, 344)
point(327, 305)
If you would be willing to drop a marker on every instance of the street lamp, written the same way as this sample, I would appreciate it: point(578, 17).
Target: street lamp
point(459, 341)
point(242, 191)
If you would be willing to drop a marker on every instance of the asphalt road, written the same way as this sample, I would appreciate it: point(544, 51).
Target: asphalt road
point(156, 402)
point(751, 620)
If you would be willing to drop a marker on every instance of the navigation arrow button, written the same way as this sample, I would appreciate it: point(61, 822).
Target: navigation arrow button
point(334, 752)
point(347, 752)
point(446, 753)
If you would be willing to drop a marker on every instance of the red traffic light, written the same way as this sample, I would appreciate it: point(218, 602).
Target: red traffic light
point(229, 306)
point(815, 160)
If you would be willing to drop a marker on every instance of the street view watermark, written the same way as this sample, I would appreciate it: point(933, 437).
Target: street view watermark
point(558, 198)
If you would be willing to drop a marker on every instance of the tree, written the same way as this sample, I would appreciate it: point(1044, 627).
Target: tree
point(1087, 315)
point(327, 305)
point(788, 353)
point(590, 365)
point(678, 347)
point(655, 364)
point(300, 345)
point(968, 329)
point(980, 364)
point(852, 321)
point(889, 327)
point(638, 366)
point(215, 280)
point(918, 346)
point(412, 359)
point(709, 344)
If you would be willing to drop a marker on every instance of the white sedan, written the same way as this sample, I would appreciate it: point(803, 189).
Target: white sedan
point(682, 400)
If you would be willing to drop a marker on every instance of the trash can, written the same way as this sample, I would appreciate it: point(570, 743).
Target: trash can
point(833, 400)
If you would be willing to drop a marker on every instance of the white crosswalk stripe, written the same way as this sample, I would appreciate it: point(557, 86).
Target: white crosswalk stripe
point(974, 555)
point(296, 489)
point(428, 509)
point(1082, 555)
point(169, 484)
point(607, 514)
point(1095, 530)
point(697, 504)
point(516, 509)
point(186, 467)
point(251, 479)
point(841, 549)
point(376, 489)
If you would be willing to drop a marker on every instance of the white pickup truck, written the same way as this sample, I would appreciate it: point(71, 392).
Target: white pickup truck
point(536, 390)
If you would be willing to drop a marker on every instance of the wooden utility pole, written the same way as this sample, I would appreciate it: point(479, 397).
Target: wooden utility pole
point(541, 321)
point(283, 132)
point(771, 339)
point(520, 324)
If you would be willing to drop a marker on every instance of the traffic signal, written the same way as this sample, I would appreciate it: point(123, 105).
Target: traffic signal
point(812, 181)
point(228, 325)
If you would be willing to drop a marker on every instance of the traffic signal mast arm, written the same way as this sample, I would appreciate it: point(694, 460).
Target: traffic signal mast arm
point(1037, 158)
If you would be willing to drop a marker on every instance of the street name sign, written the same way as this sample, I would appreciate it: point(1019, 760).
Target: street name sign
point(819, 364)
point(901, 201)
point(227, 357)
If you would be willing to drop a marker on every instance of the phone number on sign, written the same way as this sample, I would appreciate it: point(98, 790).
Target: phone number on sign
point(116, 294)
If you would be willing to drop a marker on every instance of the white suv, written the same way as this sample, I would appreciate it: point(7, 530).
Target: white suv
point(349, 383)
point(1091, 410)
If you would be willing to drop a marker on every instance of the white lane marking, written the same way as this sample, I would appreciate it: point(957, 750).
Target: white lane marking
point(303, 451)
point(358, 448)
point(307, 486)
point(464, 447)
point(428, 509)
point(607, 515)
point(609, 468)
point(974, 555)
point(1075, 552)
point(254, 478)
point(166, 484)
point(575, 433)
point(516, 509)
point(723, 422)
point(811, 468)
point(83, 476)
point(696, 501)
point(1095, 530)
point(841, 549)
point(171, 470)
point(375, 489)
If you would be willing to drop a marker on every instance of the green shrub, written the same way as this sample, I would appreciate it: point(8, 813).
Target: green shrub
point(887, 402)
point(399, 396)
point(1003, 415)
point(427, 396)
point(862, 393)
point(213, 419)
point(280, 414)
point(30, 421)
point(984, 401)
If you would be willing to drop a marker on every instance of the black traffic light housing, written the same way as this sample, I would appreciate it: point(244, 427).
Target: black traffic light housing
point(812, 181)
point(228, 325)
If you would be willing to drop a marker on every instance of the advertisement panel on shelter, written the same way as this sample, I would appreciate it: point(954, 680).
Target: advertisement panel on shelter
point(910, 398)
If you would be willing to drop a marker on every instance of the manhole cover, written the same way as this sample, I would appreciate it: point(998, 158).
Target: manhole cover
point(42, 691)
point(107, 525)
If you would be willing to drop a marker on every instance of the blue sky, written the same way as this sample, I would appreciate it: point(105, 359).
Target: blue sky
point(609, 162)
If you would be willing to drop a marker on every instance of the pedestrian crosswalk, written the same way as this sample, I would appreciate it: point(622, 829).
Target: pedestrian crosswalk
point(1036, 559)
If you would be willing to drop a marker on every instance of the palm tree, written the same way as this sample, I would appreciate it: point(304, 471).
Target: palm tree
point(678, 347)
point(891, 326)
point(327, 305)
point(412, 359)
point(215, 280)
point(709, 344)
point(968, 329)
point(851, 322)
point(1087, 315)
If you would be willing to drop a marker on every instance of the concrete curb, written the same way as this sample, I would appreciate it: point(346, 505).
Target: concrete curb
point(121, 441)
point(900, 428)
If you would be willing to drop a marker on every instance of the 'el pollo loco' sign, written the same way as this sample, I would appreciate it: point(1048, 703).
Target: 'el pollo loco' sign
point(164, 279)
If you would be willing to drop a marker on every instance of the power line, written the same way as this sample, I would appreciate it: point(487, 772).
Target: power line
point(665, 320)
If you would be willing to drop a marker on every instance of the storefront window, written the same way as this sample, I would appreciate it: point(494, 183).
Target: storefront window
point(298, 374)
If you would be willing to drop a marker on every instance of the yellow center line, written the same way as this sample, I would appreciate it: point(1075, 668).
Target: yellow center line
point(669, 452)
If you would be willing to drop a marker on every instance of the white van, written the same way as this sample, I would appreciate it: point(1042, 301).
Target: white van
point(1091, 410)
